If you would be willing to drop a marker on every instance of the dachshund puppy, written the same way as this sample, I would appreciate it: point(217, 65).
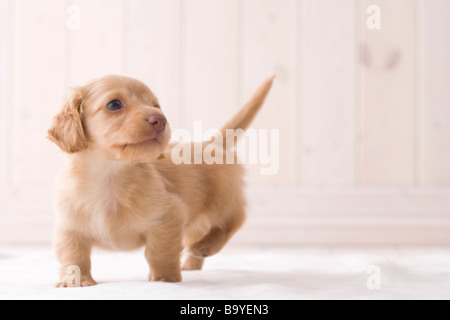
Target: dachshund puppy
point(120, 189)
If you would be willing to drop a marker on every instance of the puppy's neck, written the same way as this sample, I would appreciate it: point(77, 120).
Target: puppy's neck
point(95, 162)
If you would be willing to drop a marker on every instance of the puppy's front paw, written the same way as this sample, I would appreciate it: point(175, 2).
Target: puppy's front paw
point(166, 277)
point(69, 282)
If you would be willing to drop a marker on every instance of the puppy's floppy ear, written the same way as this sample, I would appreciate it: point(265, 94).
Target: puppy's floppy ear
point(67, 131)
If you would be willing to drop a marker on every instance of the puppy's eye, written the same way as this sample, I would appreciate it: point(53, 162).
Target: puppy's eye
point(115, 105)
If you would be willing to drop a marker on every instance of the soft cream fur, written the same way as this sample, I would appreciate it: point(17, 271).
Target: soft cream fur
point(120, 190)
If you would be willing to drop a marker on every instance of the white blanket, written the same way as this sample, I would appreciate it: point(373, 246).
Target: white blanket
point(273, 272)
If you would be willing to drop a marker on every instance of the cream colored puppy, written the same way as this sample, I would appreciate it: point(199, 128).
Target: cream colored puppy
point(120, 189)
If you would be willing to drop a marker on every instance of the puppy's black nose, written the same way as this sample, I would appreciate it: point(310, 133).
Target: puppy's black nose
point(158, 122)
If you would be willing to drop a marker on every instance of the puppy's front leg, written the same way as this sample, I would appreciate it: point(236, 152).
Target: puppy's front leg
point(163, 251)
point(74, 253)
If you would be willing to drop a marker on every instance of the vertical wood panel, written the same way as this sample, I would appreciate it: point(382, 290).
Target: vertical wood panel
point(4, 28)
point(269, 47)
point(387, 95)
point(154, 52)
point(212, 61)
point(435, 108)
point(328, 92)
point(39, 63)
point(97, 48)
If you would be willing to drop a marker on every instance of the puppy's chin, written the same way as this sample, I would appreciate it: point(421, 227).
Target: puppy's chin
point(143, 151)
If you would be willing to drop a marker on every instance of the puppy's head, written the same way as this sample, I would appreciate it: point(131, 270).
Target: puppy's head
point(117, 115)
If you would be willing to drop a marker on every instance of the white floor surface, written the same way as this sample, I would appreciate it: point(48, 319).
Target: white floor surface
point(242, 272)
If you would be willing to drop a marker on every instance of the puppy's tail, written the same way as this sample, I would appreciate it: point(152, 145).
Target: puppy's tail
point(242, 120)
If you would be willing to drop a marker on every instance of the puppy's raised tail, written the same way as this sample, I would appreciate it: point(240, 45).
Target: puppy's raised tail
point(245, 116)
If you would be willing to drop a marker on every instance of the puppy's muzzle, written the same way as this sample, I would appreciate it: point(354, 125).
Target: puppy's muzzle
point(158, 122)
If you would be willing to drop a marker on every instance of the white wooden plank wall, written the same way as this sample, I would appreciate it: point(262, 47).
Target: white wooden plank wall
point(4, 40)
point(154, 52)
point(355, 107)
point(268, 46)
point(38, 65)
point(389, 135)
point(434, 114)
point(327, 102)
point(97, 48)
point(387, 95)
point(211, 61)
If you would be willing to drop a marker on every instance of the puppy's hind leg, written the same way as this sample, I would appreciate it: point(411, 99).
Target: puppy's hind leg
point(218, 236)
point(192, 263)
point(194, 232)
